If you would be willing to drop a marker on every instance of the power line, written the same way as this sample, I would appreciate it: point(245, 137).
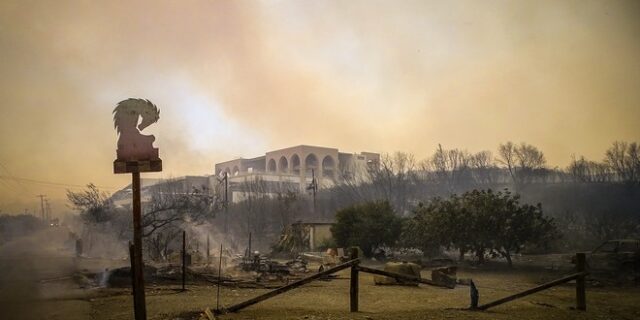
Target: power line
point(51, 183)
point(16, 182)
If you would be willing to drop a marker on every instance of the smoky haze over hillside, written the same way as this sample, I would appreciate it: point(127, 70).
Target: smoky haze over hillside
point(237, 78)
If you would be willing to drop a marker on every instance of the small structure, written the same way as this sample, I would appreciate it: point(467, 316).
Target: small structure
point(303, 236)
point(318, 233)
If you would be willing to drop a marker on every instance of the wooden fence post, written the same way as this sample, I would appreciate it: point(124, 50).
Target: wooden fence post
point(581, 296)
point(139, 305)
point(353, 290)
point(132, 259)
point(474, 295)
point(184, 259)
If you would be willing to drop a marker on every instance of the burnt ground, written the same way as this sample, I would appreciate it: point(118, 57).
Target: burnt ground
point(64, 294)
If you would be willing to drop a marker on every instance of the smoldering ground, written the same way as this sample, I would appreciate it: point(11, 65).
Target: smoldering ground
point(24, 262)
point(39, 274)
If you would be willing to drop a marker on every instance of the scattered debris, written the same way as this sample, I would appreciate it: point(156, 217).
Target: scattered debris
point(298, 265)
point(209, 314)
point(543, 304)
point(406, 268)
point(312, 257)
point(445, 275)
point(121, 277)
point(294, 239)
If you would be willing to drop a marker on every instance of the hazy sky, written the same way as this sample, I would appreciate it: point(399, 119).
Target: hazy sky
point(235, 78)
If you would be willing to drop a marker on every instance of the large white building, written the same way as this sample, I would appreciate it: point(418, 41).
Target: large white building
point(293, 169)
point(289, 169)
point(185, 184)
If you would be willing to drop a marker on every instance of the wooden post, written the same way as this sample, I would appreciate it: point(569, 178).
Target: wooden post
point(353, 290)
point(474, 295)
point(219, 279)
point(135, 155)
point(208, 261)
point(131, 260)
point(139, 305)
point(184, 259)
point(581, 297)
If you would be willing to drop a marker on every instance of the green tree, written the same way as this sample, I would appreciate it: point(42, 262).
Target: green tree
point(500, 224)
point(480, 208)
point(479, 221)
point(438, 223)
point(519, 225)
point(368, 226)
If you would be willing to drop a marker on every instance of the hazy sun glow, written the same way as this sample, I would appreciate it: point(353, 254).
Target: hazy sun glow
point(236, 78)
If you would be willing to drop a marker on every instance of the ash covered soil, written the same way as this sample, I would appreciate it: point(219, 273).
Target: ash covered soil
point(39, 281)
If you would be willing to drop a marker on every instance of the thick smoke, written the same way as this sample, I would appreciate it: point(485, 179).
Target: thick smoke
point(226, 75)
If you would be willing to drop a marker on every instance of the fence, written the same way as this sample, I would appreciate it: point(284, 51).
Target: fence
point(354, 264)
point(581, 301)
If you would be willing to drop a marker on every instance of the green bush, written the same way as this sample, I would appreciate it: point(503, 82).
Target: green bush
point(369, 225)
point(480, 221)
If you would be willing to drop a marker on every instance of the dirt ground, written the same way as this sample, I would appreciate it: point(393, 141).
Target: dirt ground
point(24, 296)
point(330, 300)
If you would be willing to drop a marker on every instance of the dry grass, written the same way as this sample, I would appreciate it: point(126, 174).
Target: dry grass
point(330, 300)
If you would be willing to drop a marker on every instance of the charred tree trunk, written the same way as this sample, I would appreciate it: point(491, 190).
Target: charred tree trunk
point(507, 255)
point(480, 255)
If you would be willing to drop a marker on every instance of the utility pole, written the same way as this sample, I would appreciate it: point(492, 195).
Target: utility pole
point(249, 249)
point(314, 188)
point(42, 196)
point(225, 201)
point(47, 210)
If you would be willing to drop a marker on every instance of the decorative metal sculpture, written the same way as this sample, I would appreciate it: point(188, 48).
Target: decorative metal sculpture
point(135, 150)
point(133, 145)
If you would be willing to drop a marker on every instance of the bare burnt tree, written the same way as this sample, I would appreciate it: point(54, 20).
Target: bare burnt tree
point(583, 171)
point(98, 215)
point(94, 205)
point(483, 168)
point(531, 162)
point(394, 180)
point(171, 204)
point(525, 163)
point(254, 204)
point(507, 157)
point(624, 160)
point(159, 243)
point(451, 167)
point(354, 185)
point(287, 206)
